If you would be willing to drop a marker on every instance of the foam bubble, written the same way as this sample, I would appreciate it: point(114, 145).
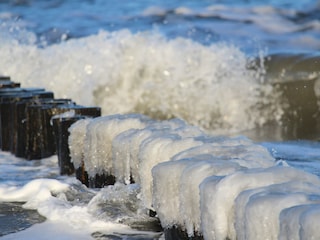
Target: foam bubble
point(35, 190)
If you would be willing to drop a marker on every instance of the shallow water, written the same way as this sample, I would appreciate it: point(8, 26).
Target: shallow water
point(14, 218)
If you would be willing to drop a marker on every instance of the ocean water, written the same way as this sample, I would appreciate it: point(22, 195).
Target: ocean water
point(237, 69)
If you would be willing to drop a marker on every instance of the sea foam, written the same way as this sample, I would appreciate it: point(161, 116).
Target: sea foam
point(144, 72)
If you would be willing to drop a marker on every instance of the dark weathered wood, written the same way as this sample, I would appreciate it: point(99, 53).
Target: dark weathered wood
point(101, 180)
point(8, 97)
point(20, 108)
point(40, 139)
point(61, 125)
point(177, 233)
point(5, 82)
point(82, 175)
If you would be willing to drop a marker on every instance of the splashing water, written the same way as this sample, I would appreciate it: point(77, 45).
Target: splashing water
point(144, 72)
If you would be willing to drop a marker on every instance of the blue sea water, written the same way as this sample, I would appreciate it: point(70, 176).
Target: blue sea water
point(232, 67)
point(276, 25)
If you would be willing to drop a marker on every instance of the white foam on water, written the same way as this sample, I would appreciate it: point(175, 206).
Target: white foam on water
point(10, 165)
point(114, 198)
point(71, 210)
point(48, 197)
point(120, 203)
point(62, 230)
point(38, 189)
point(48, 230)
point(144, 72)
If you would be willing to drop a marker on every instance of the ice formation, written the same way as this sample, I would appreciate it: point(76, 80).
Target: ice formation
point(98, 142)
point(218, 198)
point(76, 141)
point(214, 186)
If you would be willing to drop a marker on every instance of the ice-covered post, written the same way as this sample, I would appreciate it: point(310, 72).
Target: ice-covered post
point(61, 123)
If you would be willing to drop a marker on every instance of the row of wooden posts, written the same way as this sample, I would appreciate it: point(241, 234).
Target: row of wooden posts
point(34, 125)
